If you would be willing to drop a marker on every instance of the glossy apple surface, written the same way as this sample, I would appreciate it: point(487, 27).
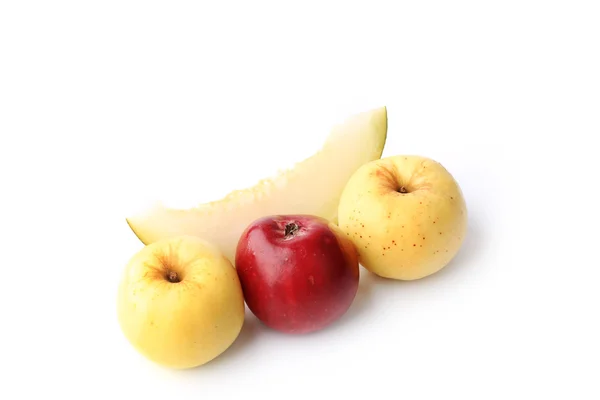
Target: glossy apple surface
point(405, 214)
point(180, 302)
point(299, 273)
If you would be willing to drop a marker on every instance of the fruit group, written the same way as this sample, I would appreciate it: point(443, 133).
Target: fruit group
point(405, 214)
point(180, 302)
point(299, 273)
point(312, 187)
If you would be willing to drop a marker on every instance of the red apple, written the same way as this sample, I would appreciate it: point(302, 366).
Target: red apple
point(299, 273)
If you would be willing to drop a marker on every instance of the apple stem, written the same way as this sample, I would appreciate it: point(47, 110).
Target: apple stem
point(402, 189)
point(172, 277)
point(291, 229)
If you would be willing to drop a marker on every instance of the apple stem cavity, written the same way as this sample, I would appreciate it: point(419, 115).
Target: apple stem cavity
point(173, 277)
point(402, 189)
point(291, 229)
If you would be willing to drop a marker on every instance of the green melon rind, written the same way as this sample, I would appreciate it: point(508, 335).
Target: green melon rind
point(378, 140)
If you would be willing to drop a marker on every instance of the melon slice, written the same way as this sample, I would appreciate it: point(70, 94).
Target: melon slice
point(313, 186)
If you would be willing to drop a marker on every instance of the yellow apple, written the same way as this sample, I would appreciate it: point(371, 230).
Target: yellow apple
point(406, 215)
point(180, 302)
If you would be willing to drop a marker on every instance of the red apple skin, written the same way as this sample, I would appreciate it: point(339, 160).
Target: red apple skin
point(299, 283)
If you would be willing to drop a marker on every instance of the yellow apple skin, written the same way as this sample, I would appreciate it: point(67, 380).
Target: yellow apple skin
point(180, 324)
point(404, 236)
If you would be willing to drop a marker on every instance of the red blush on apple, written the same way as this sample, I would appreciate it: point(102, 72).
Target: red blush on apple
point(299, 273)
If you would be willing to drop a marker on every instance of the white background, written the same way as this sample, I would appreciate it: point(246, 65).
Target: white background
point(103, 104)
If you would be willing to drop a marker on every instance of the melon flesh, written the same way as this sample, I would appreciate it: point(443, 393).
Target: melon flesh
point(313, 186)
